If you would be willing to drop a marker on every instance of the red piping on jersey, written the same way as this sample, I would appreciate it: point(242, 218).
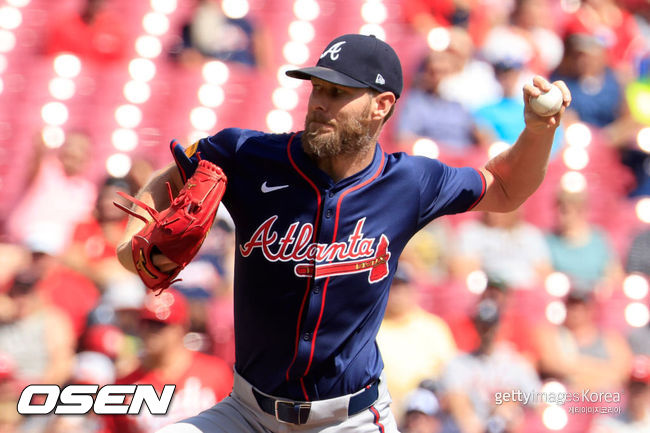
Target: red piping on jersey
point(336, 227)
point(482, 190)
point(304, 298)
point(376, 420)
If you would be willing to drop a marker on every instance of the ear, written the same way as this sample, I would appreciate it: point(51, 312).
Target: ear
point(383, 102)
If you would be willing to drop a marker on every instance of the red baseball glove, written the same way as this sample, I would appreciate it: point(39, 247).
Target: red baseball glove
point(178, 231)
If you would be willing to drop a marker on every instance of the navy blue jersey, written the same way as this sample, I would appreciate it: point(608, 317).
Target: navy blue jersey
point(315, 258)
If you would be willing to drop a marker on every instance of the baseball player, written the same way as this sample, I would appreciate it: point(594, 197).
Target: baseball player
point(321, 217)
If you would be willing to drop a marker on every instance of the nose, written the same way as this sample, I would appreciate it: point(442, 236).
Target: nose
point(317, 101)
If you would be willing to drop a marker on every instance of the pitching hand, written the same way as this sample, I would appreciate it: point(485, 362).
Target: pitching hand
point(541, 85)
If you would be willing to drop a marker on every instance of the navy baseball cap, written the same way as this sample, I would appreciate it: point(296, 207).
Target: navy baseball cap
point(357, 61)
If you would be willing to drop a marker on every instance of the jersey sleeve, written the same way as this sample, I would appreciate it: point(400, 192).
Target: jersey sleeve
point(220, 149)
point(446, 190)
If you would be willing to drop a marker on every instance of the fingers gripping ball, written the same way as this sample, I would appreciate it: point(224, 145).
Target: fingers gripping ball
point(178, 231)
point(549, 103)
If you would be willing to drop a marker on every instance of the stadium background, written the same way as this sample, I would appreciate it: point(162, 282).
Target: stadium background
point(132, 103)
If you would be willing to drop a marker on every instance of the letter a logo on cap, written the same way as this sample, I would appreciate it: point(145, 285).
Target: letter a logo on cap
point(380, 79)
point(333, 51)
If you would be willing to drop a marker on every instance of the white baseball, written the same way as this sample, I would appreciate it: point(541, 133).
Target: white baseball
point(549, 103)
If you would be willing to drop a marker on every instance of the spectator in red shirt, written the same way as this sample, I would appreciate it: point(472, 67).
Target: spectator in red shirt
point(95, 33)
point(92, 249)
point(201, 380)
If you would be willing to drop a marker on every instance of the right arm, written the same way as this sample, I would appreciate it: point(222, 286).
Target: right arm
point(155, 194)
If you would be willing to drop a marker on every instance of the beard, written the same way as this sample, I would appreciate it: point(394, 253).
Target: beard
point(350, 135)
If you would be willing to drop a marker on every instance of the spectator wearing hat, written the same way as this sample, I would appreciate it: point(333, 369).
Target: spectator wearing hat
point(201, 380)
point(636, 414)
point(597, 93)
point(414, 343)
point(94, 240)
point(471, 380)
point(421, 412)
point(514, 328)
point(501, 120)
point(579, 352)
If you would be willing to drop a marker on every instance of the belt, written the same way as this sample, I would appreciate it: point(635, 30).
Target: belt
point(297, 412)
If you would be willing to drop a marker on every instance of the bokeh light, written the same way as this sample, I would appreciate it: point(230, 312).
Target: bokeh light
point(124, 140)
point(142, 69)
point(279, 121)
point(476, 282)
point(555, 312)
point(301, 31)
point(196, 135)
point(54, 113)
point(137, 92)
point(203, 118)
point(553, 387)
point(148, 46)
point(211, 95)
point(284, 98)
point(295, 52)
point(643, 139)
point(637, 315)
point(215, 72)
point(496, 148)
point(439, 39)
point(235, 9)
point(18, 3)
point(557, 284)
point(374, 11)
point(578, 134)
point(426, 147)
point(575, 158)
point(155, 23)
point(285, 80)
point(164, 6)
point(128, 116)
point(67, 65)
point(118, 165)
point(3, 63)
point(635, 286)
point(642, 209)
point(10, 18)
point(555, 418)
point(573, 181)
point(7, 41)
point(373, 29)
point(62, 88)
point(53, 136)
point(306, 10)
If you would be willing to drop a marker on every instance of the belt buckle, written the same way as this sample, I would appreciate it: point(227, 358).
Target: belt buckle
point(293, 404)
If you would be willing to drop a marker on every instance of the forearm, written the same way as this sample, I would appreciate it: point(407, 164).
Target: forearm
point(519, 170)
point(513, 175)
point(154, 194)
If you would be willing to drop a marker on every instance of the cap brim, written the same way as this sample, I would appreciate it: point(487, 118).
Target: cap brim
point(326, 74)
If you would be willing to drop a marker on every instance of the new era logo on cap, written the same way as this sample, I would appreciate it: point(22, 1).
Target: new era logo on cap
point(357, 61)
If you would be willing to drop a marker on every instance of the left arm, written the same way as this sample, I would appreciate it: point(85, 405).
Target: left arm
point(513, 175)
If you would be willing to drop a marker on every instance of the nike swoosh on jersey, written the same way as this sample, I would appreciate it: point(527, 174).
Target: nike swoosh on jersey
point(266, 188)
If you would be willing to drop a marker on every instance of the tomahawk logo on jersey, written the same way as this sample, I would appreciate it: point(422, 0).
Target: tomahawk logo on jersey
point(357, 254)
point(317, 256)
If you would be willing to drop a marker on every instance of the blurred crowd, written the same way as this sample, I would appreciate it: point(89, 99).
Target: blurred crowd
point(481, 303)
